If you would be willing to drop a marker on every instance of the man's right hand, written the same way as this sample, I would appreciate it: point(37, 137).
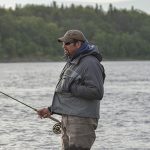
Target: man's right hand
point(44, 113)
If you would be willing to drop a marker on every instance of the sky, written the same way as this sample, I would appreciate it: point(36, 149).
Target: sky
point(143, 5)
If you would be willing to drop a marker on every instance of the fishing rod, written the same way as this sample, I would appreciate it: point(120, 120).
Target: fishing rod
point(56, 127)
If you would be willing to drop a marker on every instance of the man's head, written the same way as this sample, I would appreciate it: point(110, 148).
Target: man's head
point(72, 40)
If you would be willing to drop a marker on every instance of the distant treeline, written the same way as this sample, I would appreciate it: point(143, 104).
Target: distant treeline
point(30, 33)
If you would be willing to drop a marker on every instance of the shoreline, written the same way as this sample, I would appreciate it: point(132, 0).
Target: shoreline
point(47, 61)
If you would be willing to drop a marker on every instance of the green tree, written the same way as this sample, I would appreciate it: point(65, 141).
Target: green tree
point(31, 32)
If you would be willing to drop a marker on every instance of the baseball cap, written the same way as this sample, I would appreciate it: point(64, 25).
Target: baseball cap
point(71, 35)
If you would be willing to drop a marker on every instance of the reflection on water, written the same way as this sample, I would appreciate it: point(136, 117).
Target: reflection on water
point(125, 108)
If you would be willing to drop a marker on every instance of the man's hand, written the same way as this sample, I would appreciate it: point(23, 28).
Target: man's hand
point(44, 113)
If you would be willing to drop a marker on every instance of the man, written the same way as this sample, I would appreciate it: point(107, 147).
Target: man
point(78, 92)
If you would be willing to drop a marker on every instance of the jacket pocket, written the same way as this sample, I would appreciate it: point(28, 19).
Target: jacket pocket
point(66, 80)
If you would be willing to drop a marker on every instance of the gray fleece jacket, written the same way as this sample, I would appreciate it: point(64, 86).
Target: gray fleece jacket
point(80, 87)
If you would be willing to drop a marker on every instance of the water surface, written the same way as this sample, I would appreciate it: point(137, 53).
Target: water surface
point(125, 108)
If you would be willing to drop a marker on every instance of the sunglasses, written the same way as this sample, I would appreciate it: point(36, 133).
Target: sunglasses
point(68, 43)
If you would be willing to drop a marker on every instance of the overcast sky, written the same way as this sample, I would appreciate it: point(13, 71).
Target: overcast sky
point(143, 5)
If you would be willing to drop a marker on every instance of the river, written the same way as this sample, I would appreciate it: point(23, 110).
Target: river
point(124, 111)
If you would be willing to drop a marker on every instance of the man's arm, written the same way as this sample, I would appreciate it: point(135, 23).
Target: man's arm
point(93, 82)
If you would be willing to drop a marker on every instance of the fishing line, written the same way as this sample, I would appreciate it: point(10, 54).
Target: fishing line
point(56, 127)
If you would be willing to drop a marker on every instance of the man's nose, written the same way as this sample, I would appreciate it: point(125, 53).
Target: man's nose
point(63, 45)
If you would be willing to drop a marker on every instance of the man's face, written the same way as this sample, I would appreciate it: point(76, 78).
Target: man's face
point(70, 48)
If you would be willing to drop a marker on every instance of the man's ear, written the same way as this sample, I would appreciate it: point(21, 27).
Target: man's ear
point(79, 44)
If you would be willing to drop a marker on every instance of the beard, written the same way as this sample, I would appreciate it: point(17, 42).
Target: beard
point(66, 53)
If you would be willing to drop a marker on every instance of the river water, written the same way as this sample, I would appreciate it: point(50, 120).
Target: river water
point(125, 108)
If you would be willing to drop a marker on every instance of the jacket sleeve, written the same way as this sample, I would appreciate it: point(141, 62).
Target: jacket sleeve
point(92, 86)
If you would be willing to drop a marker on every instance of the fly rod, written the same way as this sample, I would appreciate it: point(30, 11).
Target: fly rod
point(56, 127)
point(54, 119)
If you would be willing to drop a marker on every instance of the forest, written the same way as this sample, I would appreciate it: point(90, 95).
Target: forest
point(30, 32)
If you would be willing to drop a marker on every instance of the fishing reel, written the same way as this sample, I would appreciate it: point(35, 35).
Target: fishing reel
point(57, 128)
